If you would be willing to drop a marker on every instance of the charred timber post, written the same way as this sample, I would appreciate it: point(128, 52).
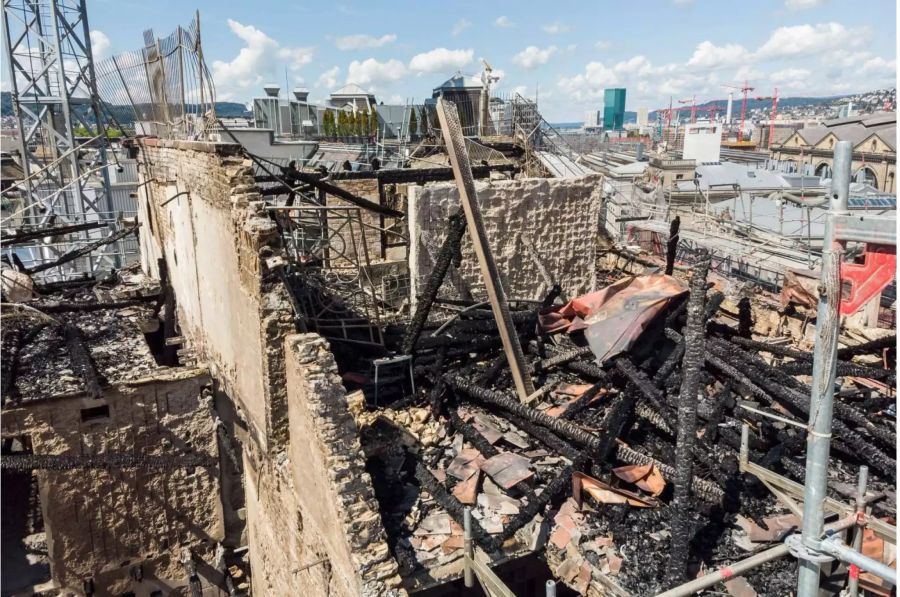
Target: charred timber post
point(694, 344)
point(462, 172)
point(672, 245)
point(455, 230)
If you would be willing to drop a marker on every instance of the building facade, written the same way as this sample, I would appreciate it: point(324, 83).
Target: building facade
point(614, 109)
point(874, 148)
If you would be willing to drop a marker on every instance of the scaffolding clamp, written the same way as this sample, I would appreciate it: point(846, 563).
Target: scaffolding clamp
point(801, 551)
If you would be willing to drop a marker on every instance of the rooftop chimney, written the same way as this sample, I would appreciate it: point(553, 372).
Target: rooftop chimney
point(301, 93)
point(272, 89)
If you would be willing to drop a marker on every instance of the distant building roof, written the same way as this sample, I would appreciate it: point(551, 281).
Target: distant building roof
point(855, 129)
point(727, 173)
point(459, 82)
point(352, 89)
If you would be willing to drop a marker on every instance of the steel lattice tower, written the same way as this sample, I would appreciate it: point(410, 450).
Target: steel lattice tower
point(47, 48)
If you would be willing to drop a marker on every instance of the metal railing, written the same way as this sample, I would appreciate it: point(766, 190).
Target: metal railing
point(165, 85)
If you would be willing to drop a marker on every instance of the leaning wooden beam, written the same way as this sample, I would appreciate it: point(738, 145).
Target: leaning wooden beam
point(462, 171)
point(23, 236)
point(82, 251)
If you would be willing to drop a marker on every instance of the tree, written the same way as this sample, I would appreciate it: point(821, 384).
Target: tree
point(413, 123)
point(80, 131)
point(351, 124)
point(373, 121)
point(362, 123)
point(328, 123)
point(342, 124)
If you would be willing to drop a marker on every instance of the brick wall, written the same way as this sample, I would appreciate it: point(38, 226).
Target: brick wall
point(100, 523)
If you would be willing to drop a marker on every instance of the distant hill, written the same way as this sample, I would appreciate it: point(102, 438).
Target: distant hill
point(125, 115)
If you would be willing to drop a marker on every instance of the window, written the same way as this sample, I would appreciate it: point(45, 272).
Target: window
point(679, 176)
point(94, 413)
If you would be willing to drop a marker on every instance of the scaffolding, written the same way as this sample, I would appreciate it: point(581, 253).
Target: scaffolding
point(51, 72)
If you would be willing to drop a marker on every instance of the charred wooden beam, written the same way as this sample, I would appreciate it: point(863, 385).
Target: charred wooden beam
point(82, 363)
point(694, 343)
point(559, 426)
point(82, 251)
point(12, 345)
point(62, 462)
point(23, 236)
point(456, 227)
point(702, 488)
point(672, 245)
point(84, 306)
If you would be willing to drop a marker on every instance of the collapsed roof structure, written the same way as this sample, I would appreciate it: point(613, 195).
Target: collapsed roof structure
point(392, 381)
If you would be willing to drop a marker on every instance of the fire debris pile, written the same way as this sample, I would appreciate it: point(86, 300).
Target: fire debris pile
point(588, 465)
point(76, 336)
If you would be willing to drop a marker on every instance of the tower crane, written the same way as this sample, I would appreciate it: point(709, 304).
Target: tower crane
point(774, 98)
point(745, 89)
point(693, 102)
point(711, 112)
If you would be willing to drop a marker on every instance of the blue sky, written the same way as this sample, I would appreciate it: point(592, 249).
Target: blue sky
point(568, 49)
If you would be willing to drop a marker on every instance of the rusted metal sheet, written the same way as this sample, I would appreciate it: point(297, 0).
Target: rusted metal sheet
point(614, 317)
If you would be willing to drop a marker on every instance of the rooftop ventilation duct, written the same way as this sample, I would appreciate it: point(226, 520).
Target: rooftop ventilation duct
point(272, 89)
point(301, 93)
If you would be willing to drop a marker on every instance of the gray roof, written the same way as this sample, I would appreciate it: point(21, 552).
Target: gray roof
point(727, 173)
point(460, 81)
point(351, 89)
point(855, 129)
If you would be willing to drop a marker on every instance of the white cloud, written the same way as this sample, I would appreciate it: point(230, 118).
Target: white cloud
point(460, 26)
point(256, 62)
point(590, 85)
point(521, 90)
point(441, 59)
point(789, 76)
point(371, 71)
point(329, 78)
point(533, 56)
point(805, 40)
point(503, 21)
point(99, 44)
point(555, 28)
point(709, 55)
point(362, 41)
point(603, 44)
point(682, 2)
point(880, 66)
point(795, 5)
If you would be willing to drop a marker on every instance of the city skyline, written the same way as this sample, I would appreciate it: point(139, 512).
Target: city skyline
point(677, 48)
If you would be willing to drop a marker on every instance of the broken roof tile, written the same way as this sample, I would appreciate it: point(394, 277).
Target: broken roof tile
point(465, 464)
point(507, 469)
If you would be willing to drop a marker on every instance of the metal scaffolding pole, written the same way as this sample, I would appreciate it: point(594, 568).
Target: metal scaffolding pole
point(824, 365)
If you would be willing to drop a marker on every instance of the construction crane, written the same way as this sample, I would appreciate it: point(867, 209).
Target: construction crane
point(774, 98)
point(693, 102)
point(711, 112)
point(745, 89)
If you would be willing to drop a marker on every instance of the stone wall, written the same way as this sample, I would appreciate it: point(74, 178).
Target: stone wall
point(215, 239)
point(313, 524)
point(559, 216)
point(322, 531)
point(102, 522)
